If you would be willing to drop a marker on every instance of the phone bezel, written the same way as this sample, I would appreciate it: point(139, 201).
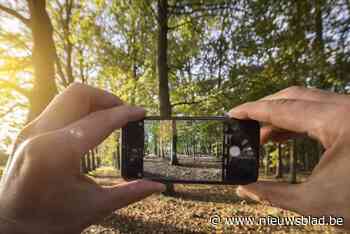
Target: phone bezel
point(125, 168)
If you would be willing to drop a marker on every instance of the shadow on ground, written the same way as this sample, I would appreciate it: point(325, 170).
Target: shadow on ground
point(210, 193)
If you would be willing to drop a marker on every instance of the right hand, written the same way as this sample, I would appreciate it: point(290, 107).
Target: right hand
point(323, 116)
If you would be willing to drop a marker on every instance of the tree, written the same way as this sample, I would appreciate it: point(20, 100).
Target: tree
point(293, 162)
point(43, 57)
point(279, 163)
point(164, 97)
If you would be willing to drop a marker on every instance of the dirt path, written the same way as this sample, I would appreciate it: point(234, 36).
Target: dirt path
point(202, 168)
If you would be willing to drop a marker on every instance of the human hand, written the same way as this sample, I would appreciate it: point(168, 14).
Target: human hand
point(42, 189)
point(323, 116)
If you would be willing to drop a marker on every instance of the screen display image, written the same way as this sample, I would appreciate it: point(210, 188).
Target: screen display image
point(183, 150)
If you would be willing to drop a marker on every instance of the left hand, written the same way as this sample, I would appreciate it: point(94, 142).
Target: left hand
point(42, 189)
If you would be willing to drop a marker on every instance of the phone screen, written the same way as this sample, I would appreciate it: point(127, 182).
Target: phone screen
point(213, 150)
point(183, 150)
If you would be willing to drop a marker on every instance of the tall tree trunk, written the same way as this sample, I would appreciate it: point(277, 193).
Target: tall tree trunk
point(93, 159)
point(96, 156)
point(279, 165)
point(262, 156)
point(43, 58)
point(293, 162)
point(164, 97)
point(83, 167)
point(155, 145)
point(267, 162)
point(88, 161)
point(174, 160)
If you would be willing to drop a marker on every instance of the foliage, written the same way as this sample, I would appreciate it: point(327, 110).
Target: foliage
point(220, 53)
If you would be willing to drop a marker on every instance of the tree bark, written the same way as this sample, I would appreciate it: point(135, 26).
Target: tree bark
point(69, 45)
point(267, 162)
point(163, 79)
point(279, 165)
point(174, 160)
point(164, 97)
point(292, 163)
point(43, 58)
point(93, 159)
point(83, 164)
point(88, 162)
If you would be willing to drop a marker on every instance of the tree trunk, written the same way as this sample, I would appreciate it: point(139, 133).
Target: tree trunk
point(96, 157)
point(174, 160)
point(262, 156)
point(155, 146)
point(88, 161)
point(83, 165)
point(267, 162)
point(116, 159)
point(98, 161)
point(279, 165)
point(164, 96)
point(93, 159)
point(43, 58)
point(292, 162)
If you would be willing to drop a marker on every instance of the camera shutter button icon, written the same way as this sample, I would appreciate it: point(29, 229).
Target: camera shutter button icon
point(235, 151)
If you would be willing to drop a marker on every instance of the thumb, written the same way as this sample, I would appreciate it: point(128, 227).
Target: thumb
point(282, 195)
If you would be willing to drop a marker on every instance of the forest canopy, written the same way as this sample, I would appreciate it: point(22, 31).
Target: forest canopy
point(171, 57)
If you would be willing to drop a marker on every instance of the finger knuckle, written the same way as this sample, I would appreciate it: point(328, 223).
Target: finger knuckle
point(283, 101)
point(34, 147)
point(76, 86)
point(24, 134)
point(78, 93)
point(128, 110)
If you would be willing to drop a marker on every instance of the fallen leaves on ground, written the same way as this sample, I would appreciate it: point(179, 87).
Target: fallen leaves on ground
point(189, 211)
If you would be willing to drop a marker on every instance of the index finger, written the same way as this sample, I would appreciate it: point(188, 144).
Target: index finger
point(309, 117)
point(90, 131)
point(310, 94)
point(74, 103)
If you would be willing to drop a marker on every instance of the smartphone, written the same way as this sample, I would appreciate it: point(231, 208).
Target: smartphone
point(196, 150)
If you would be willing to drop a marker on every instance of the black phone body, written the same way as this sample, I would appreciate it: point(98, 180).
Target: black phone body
point(195, 150)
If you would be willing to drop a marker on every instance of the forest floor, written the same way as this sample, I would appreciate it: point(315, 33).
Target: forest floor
point(189, 211)
point(206, 168)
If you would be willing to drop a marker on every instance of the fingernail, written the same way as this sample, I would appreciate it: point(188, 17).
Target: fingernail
point(138, 109)
point(161, 187)
point(243, 193)
point(136, 112)
point(232, 112)
point(239, 191)
point(158, 187)
point(227, 114)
